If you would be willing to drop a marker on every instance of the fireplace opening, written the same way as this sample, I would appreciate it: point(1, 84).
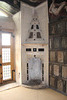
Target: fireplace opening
point(34, 82)
point(35, 71)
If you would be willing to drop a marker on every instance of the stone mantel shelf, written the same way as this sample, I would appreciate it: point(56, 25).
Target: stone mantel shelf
point(34, 44)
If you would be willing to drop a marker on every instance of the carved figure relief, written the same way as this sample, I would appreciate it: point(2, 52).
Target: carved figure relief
point(56, 8)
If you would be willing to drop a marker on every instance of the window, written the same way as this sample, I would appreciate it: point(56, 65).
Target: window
point(6, 72)
point(7, 57)
point(2, 13)
point(6, 39)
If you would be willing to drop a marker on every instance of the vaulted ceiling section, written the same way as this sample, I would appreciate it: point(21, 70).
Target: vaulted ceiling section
point(13, 6)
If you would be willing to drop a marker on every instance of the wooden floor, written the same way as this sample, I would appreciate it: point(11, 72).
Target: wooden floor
point(21, 93)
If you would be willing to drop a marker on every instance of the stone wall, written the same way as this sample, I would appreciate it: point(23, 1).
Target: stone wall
point(58, 55)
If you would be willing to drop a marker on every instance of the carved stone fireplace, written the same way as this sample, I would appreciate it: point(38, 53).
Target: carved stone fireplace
point(35, 55)
point(35, 63)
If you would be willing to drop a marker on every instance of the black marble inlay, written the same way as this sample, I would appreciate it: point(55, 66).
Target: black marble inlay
point(34, 49)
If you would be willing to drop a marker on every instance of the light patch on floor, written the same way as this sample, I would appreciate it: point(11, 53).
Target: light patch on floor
point(8, 86)
point(21, 93)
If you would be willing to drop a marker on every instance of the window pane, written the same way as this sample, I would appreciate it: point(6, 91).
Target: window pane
point(6, 55)
point(6, 72)
point(6, 40)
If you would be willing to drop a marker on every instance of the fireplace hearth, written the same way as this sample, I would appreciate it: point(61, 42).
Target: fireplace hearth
point(33, 82)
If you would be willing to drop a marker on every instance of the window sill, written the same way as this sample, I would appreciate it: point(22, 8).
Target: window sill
point(8, 86)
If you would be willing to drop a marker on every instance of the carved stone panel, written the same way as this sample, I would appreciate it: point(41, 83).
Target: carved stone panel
point(64, 42)
point(56, 70)
point(50, 69)
point(56, 42)
point(64, 71)
point(66, 26)
point(60, 56)
point(60, 27)
point(52, 81)
point(51, 43)
point(66, 87)
point(60, 85)
point(52, 56)
point(65, 57)
point(53, 29)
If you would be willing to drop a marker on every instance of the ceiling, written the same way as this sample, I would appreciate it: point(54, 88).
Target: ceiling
point(16, 3)
point(33, 2)
point(13, 6)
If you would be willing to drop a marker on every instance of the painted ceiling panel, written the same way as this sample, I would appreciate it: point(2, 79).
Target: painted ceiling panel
point(8, 8)
point(15, 4)
point(33, 2)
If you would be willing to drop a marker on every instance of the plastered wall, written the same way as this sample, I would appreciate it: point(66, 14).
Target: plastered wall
point(6, 24)
point(17, 32)
point(26, 17)
point(42, 11)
